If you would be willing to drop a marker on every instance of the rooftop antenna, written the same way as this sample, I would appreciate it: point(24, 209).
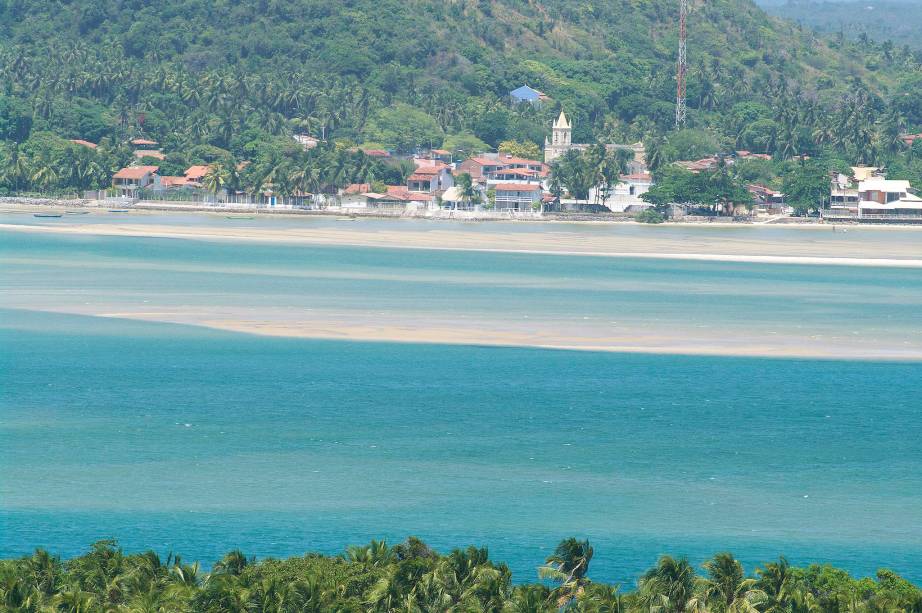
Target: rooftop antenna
point(681, 109)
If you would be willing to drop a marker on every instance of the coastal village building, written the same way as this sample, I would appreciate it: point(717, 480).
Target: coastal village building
point(196, 173)
point(430, 177)
point(887, 198)
point(766, 199)
point(308, 142)
point(128, 181)
point(843, 195)
point(518, 196)
point(624, 197)
point(480, 166)
point(149, 153)
point(561, 141)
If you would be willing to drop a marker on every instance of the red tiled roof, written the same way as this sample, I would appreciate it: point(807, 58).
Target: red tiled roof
point(376, 153)
point(135, 172)
point(357, 188)
point(421, 176)
point(402, 193)
point(174, 181)
point(143, 142)
point(195, 173)
point(517, 187)
point(149, 153)
point(85, 143)
point(441, 152)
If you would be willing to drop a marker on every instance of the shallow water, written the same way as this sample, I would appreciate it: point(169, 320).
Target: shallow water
point(197, 441)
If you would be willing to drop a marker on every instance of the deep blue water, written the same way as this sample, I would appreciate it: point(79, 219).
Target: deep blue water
point(179, 438)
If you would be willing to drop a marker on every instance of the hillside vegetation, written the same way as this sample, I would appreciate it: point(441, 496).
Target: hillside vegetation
point(232, 80)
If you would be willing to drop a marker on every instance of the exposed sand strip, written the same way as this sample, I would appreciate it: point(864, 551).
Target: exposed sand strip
point(716, 247)
point(629, 338)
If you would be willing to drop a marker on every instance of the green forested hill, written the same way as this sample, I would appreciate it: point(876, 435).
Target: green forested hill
point(896, 21)
point(210, 78)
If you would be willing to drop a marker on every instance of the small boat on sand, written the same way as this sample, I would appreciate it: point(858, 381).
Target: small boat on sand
point(47, 215)
point(118, 210)
point(239, 217)
point(76, 212)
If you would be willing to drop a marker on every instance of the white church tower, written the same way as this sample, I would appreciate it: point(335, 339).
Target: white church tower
point(562, 131)
point(560, 141)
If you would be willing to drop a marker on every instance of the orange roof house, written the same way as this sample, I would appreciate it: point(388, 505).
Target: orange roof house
point(168, 182)
point(135, 172)
point(357, 188)
point(197, 173)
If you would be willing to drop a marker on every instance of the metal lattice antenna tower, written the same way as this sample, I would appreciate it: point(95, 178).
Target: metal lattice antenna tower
point(680, 106)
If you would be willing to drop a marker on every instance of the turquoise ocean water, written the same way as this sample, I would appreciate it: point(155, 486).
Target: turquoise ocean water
point(198, 441)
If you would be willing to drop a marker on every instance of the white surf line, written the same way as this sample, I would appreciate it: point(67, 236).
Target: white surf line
point(345, 242)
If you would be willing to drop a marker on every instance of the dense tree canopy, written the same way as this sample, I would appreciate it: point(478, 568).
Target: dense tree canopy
point(412, 577)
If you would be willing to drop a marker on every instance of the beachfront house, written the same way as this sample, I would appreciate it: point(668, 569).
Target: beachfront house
point(430, 177)
point(196, 174)
point(765, 199)
point(624, 196)
point(518, 196)
point(888, 199)
point(128, 181)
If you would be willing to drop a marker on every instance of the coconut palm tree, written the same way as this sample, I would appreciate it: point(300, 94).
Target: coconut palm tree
point(466, 189)
point(670, 587)
point(727, 589)
point(232, 563)
point(777, 582)
point(374, 554)
point(568, 566)
point(216, 178)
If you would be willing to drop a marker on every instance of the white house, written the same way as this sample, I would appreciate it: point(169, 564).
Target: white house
point(518, 196)
point(626, 195)
point(430, 177)
point(887, 198)
point(128, 181)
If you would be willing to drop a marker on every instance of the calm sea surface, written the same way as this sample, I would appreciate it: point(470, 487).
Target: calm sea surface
point(198, 441)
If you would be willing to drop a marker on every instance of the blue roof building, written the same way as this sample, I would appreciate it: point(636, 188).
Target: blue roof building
point(527, 94)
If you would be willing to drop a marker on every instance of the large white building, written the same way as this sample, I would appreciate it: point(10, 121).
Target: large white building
point(887, 198)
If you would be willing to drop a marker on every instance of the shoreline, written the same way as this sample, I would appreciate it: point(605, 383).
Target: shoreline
point(613, 219)
point(538, 244)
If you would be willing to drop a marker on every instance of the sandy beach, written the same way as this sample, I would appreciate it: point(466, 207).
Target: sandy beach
point(728, 244)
